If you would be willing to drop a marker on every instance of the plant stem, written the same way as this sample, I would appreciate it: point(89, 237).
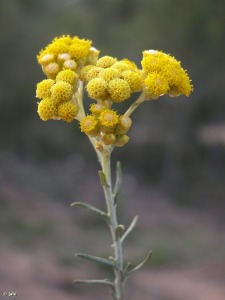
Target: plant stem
point(113, 225)
point(135, 105)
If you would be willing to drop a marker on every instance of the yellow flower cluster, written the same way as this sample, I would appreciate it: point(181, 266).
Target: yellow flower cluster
point(66, 52)
point(106, 125)
point(163, 74)
point(57, 97)
point(69, 61)
point(111, 79)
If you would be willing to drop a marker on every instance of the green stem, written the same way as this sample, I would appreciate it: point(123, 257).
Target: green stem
point(135, 105)
point(113, 225)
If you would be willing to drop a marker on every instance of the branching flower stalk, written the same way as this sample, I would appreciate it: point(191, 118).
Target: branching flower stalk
point(70, 63)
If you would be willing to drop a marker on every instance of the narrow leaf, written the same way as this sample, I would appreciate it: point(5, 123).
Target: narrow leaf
point(141, 264)
point(102, 178)
point(118, 180)
point(90, 207)
point(94, 281)
point(97, 259)
point(130, 228)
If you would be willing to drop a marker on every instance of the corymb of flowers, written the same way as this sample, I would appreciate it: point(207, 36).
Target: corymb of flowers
point(71, 63)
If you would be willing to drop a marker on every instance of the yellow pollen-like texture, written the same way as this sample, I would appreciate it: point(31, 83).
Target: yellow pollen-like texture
point(68, 76)
point(61, 91)
point(47, 109)
point(44, 88)
point(119, 90)
point(67, 111)
point(97, 89)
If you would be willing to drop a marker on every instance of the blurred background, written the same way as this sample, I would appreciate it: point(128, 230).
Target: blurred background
point(173, 167)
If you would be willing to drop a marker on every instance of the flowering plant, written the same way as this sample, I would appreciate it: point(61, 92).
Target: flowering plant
point(70, 63)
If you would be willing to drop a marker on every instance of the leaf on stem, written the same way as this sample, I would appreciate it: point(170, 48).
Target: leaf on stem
point(94, 281)
point(97, 259)
point(102, 178)
point(118, 180)
point(129, 271)
point(90, 207)
point(130, 228)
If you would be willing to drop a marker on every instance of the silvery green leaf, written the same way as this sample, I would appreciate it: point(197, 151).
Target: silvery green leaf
point(90, 207)
point(130, 228)
point(97, 259)
point(141, 264)
point(94, 281)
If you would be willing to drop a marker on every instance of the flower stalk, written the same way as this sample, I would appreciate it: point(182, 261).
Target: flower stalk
point(70, 63)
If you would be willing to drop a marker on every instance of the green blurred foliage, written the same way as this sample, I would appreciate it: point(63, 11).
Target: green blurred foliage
point(166, 149)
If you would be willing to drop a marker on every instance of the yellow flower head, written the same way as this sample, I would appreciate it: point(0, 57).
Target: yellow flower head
point(47, 109)
point(90, 125)
point(84, 71)
point(155, 85)
point(123, 125)
point(67, 111)
point(70, 64)
point(79, 48)
point(97, 108)
point(61, 91)
point(125, 65)
point(108, 138)
point(121, 140)
point(109, 74)
point(51, 70)
point(119, 90)
point(134, 80)
point(106, 61)
point(44, 88)
point(97, 89)
point(93, 73)
point(108, 120)
point(169, 68)
point(68, 76)
point(46, 58)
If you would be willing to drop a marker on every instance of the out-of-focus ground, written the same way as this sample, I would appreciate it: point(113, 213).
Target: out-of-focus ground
point(39, 237)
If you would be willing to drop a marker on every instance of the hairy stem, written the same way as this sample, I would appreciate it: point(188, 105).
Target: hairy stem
point(113, 225)
point(135, 105)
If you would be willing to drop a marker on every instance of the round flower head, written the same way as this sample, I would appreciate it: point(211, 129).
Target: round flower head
point(47, 58)
point(97, 108)
point(68, 76)
point(61, 91)
point(134, 80)
point(155, 85)
point(79, 48)
point(70, 64)
point(67, 111)
point(90, 126)
point(84, 71)
point(51, 70)
point(106, 61)
point(47, 109)
point(109, 74)
point(121, 140)
point(108, 138)
point(43, 88)
point(178, 81)
point(108, 120)
point(119, 90)
point(97, 89)
point(154, 61)
point(93, 73)
point(62, 57)
point(123, 125)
